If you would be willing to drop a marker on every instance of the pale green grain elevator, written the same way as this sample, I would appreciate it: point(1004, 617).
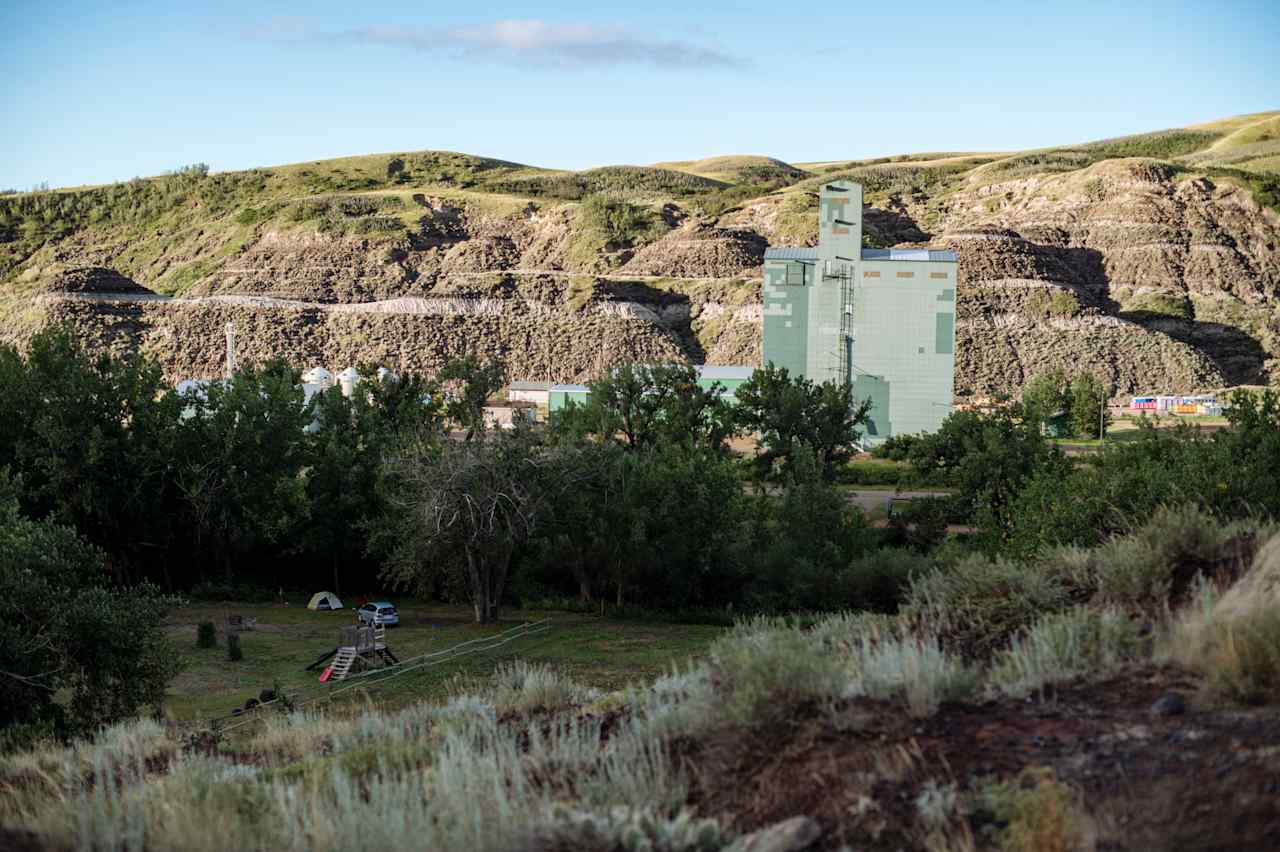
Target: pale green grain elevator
point(882, 319)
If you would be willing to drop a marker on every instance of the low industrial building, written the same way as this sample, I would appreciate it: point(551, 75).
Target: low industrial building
point(561, 395)
point(558, 396)
point(882, 320)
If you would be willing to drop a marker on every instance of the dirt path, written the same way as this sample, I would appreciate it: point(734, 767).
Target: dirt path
point(871, 499)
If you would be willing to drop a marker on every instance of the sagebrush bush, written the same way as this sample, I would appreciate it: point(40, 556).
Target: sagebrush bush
point(760, 672)
point(625, 828)
point(1137, 571)
point(1064, 645)
point(451, 779)
point(519, 687)
point(206, 635)
point(915, 670)
point(976, 605)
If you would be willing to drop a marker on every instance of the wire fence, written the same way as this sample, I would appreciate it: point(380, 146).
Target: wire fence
point(377, 677)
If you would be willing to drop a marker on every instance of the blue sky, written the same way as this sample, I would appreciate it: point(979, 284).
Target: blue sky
point(94, 92)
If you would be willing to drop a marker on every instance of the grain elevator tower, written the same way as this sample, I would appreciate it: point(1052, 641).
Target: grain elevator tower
point(882, 320)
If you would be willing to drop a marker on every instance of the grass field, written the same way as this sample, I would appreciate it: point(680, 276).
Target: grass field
point(600, 653)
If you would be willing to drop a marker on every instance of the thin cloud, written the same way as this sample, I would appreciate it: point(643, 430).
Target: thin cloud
point(526, 42)
point(281, 30)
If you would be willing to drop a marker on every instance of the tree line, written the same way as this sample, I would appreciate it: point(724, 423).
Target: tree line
point(118, 492)
point(245, 483)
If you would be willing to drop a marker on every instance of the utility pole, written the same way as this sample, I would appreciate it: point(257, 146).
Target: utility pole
point(231, 349)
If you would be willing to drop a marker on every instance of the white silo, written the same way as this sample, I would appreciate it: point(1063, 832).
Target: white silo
point(385, 375)
point(318, 376)
point(348, 379)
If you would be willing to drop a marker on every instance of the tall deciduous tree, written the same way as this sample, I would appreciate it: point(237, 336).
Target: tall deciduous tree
point(792, 414)
point(1046, 395)
point(648, 405)
point(1088, 406)
point(240, 459)
point(468, 384)
point(91, 438)
point(64, 626)
point(988, 458)
point(345, 449)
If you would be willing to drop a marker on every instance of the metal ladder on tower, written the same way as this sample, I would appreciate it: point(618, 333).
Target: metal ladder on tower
point(842, 274)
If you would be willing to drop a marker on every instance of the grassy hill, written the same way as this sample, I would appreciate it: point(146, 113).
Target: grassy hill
point(738, 168)
point(427, 223)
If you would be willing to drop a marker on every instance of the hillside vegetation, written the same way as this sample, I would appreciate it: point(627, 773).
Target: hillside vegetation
point(1166, 241)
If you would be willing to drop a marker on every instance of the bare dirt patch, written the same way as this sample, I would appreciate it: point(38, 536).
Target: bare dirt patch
point(1207, 779)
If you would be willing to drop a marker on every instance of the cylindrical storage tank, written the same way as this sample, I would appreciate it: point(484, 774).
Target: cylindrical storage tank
point(385, 375)
point(348, 379)
point(318, 376)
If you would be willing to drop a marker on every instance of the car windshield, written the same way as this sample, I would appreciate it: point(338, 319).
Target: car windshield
point(387, 610)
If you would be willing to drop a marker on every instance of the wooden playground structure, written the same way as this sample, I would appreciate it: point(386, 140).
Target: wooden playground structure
point(358, 648)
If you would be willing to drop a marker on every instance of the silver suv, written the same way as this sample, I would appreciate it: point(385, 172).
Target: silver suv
point(378, 612)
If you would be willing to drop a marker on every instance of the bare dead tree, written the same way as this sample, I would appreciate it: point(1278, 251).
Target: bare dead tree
point(467, 506)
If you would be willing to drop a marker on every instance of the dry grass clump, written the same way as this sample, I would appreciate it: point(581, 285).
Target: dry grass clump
point(1242, 659)
point(1238, 654)
point(1232, 637)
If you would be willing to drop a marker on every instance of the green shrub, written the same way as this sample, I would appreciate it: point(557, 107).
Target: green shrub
point(1063, 303)
point(621, 222)
point(979, 603)
point(206, 635)
point(1038, 813)
point(878, 581)
point(234, 652)
point(1161, 304)
point(253, 215)
point(617, 180)
point(896, 447)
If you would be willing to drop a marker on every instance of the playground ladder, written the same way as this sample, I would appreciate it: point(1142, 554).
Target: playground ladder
point(342, 663)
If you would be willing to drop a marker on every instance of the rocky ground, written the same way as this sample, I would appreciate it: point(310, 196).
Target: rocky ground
point(1147, 767)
